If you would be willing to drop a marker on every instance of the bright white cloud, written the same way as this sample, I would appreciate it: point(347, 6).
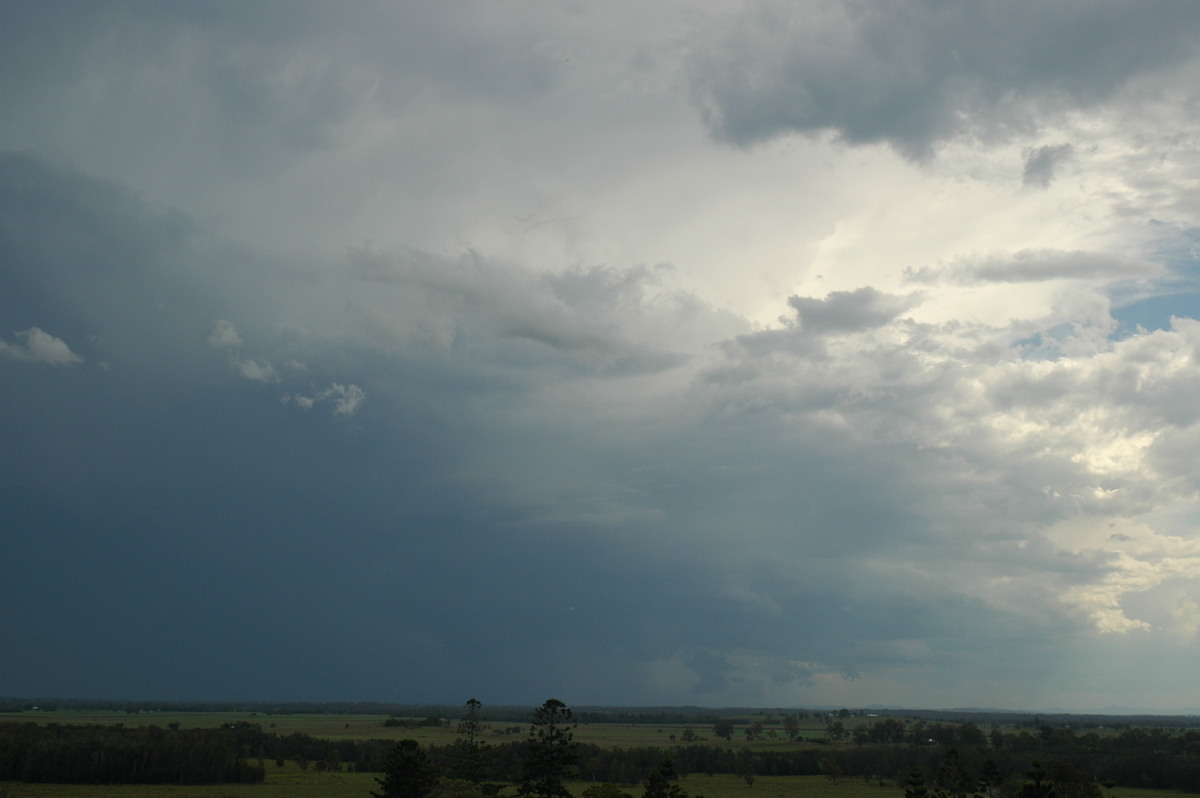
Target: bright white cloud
point(225, 336)
point(37, 346)
point(256, 370)
point(345, 400)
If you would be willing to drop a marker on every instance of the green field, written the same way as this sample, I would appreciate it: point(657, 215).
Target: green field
point(283, 782)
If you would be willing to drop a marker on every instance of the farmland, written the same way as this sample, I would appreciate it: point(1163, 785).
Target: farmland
point(350, 726)
point(765, 755)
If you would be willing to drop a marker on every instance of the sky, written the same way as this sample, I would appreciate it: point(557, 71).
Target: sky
point(724, 354)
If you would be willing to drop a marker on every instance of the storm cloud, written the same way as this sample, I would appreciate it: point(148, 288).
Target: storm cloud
point(403, 353)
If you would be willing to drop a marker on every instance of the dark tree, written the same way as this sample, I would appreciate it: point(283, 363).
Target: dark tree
point(1037, 786)
point(661, 783)
point(407, 773)
point(470, 725)
point(952, 777)
point(971, 736)
point(470, 749)
point(1069, 782)
point(915, 786)
point(550, 754)
point(723, 729)
point(745, 766)
point(989, 777)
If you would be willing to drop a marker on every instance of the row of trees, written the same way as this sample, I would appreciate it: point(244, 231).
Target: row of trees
point(724, 729)
point(954, 780)
point(886, 750)
point(550, 758)
point(117, 755)
point(961, 759)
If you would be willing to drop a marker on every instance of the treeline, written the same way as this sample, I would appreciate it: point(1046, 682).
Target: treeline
point(1132, 758)
point(251, 707)
point(883, 750)
point(889, 751)
point(513, 713)
point(117, 755)
point(700, 716)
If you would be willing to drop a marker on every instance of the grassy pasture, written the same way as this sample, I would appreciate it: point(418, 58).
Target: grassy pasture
point(360, 727)
point(628, 735)
point(286, 782)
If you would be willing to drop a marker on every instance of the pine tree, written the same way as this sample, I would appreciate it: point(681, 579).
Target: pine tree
point(989, 777)
point(550, 754)
point(661, 783)
point(407, 772)
point(915, 786)
point(470, 749)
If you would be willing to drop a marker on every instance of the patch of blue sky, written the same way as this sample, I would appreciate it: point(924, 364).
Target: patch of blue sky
point(1174, 294)
point(1045, 344)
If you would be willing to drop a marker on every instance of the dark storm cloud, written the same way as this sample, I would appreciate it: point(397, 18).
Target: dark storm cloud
point(149, 459)
point(256, 73)
point(191, 95)
point(916, 73)
point(80, 254)
point(255, 541)
point(408, 548)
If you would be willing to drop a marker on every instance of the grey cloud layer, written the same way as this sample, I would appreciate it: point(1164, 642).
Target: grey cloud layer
point(1039, 266)
point(914, 74)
